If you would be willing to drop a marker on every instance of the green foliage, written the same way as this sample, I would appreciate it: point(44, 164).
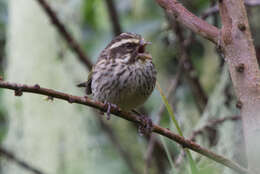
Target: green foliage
point(89, 12)
point(194, 169)
point(201, 4)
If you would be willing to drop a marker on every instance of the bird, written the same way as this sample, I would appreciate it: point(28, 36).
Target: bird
point(124, 75)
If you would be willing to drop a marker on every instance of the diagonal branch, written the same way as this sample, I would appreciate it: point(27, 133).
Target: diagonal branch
point(23, 164)
point(212, 125)
point(20, 88)
point(209, 126)
point(186, 18)
point(197, 90)
point(114, 18)
point(66, 35)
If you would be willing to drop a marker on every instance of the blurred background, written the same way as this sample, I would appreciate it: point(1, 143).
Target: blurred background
point(56, 137)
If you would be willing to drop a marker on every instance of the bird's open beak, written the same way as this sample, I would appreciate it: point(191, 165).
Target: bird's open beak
point(144, 56)
point(147, 43)
point(144, 43)
point(141, 53)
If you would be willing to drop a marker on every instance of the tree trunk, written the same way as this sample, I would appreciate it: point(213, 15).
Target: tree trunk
point(239, 52)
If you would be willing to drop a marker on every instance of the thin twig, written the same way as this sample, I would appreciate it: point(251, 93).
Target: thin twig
point(10, 156)
point(114, 18)
point(209, 126)
point(186, 18)
point(210, 11)
point(213, 10)
point(65, 34)
point(212, 125)
point(189, 70)
point(20, 88)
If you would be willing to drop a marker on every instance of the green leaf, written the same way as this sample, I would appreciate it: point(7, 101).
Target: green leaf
point(168, 153)
point(193, 166)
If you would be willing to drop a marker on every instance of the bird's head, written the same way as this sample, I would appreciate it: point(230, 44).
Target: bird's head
point(128, 47)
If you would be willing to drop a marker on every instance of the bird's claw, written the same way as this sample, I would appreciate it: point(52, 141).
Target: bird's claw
point(109, 106)
point(146, 126)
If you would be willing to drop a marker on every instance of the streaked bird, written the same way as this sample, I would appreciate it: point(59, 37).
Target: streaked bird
point(124, 74)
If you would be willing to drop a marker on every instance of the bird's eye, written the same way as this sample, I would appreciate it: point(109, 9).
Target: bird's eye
point(129, 45)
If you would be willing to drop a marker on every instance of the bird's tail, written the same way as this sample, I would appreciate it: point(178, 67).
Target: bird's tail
point(84, 84)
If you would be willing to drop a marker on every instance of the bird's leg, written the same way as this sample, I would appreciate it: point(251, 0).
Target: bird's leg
point(146, 125)
point(109, 106)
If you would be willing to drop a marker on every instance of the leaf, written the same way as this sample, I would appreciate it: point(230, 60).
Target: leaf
point(193, 166)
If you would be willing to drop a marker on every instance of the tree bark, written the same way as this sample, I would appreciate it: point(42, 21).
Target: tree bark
point(239, 52)
point(237, 46)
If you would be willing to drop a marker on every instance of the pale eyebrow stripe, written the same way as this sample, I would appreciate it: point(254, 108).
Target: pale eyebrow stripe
point(117, 44)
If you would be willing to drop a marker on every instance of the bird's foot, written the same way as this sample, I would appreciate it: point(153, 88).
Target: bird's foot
point(146, 125)
point(109, 106)
point(145, 128)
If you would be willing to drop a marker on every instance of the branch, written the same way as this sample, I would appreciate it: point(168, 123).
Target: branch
point(197, 90)
point(236, 43)
point(212, 125)
point(20, 88)
point(209, 126)
point(215, 9)
point(239, 51)
point(113, 17)
point(85, 61)
point(23, 164)
point(65, 34)
point(186, 18)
